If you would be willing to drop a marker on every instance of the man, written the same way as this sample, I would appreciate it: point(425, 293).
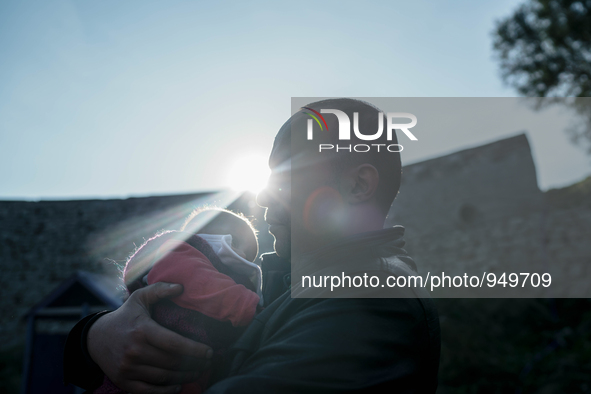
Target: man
point(326, 220)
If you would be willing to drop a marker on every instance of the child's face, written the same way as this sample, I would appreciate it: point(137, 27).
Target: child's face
point(243, 247)
point(244, 242)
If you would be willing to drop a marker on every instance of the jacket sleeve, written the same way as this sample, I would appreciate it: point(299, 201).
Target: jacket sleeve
point(206, 290)
point(79, 369)
point(343, 345)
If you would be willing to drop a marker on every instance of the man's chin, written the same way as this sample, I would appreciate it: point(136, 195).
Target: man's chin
point(283, 249)
point(282, 242)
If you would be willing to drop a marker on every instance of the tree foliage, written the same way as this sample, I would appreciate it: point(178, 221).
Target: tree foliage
point(544, 50)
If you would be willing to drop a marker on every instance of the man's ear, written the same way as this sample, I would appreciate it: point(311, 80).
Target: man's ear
point(360, 183)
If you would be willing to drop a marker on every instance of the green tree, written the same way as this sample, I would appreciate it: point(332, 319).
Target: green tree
point(544, 50)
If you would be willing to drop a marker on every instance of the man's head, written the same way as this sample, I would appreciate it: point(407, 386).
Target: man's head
point(324, 196)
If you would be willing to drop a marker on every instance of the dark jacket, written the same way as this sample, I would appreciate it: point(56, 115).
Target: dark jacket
point(327, 344)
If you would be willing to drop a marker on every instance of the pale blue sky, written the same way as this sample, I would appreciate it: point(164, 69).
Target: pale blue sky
point(118, 98)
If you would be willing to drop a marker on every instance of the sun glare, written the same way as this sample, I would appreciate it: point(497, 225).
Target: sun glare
point(249, 173)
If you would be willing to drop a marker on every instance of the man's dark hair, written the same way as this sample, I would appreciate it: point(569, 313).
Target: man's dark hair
point(387, 163)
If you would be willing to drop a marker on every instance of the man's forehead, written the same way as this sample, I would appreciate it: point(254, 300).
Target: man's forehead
point(281, 152)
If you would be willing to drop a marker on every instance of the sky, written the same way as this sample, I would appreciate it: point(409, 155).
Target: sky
point(109, 99)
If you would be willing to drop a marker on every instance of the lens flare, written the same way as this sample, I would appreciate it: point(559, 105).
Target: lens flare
point(249, 173)
point(109, 243)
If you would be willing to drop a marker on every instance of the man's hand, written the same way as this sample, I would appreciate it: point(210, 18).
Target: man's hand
point(138, 354)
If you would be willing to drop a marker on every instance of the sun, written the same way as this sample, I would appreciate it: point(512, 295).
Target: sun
point(249, 173)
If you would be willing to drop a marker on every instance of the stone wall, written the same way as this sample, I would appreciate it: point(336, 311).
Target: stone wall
point(475, 210)
point(480, 210)
point(473, 187)
point(42, 243)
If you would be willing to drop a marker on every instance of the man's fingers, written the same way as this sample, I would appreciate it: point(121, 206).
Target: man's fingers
point(173, 343)
point(163, 377)
point(151, 294)
point(160, 359)
point(127, 341)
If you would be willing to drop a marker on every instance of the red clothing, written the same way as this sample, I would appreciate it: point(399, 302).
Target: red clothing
point(206, 290)
point(212, 308)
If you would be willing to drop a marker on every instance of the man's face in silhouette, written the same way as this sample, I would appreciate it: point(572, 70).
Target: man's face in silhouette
point(316, 197)
point(290, 192)
point(276, 197)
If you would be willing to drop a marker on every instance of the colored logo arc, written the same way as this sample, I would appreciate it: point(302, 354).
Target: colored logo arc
point(315, 118)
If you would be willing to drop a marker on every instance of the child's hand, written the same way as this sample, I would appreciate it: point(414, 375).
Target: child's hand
point(138, 354)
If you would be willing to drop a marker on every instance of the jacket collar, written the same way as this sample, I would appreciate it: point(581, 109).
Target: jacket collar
point(360, 247)
point(364, 247)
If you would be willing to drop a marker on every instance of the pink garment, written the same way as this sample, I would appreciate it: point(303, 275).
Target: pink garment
point(206, 290)
point(215, 296)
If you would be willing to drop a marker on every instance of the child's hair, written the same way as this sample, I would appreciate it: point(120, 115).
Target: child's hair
point(211, 220)
point(202, 216)
point(144, 257)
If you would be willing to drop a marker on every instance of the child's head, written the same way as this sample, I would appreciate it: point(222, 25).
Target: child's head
point(221, 221)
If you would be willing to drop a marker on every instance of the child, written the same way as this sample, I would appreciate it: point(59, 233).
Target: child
point(222, 284)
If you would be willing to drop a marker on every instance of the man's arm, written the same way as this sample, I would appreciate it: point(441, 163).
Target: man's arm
point(135, 352)
point(79, 369)
point(343, 345)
